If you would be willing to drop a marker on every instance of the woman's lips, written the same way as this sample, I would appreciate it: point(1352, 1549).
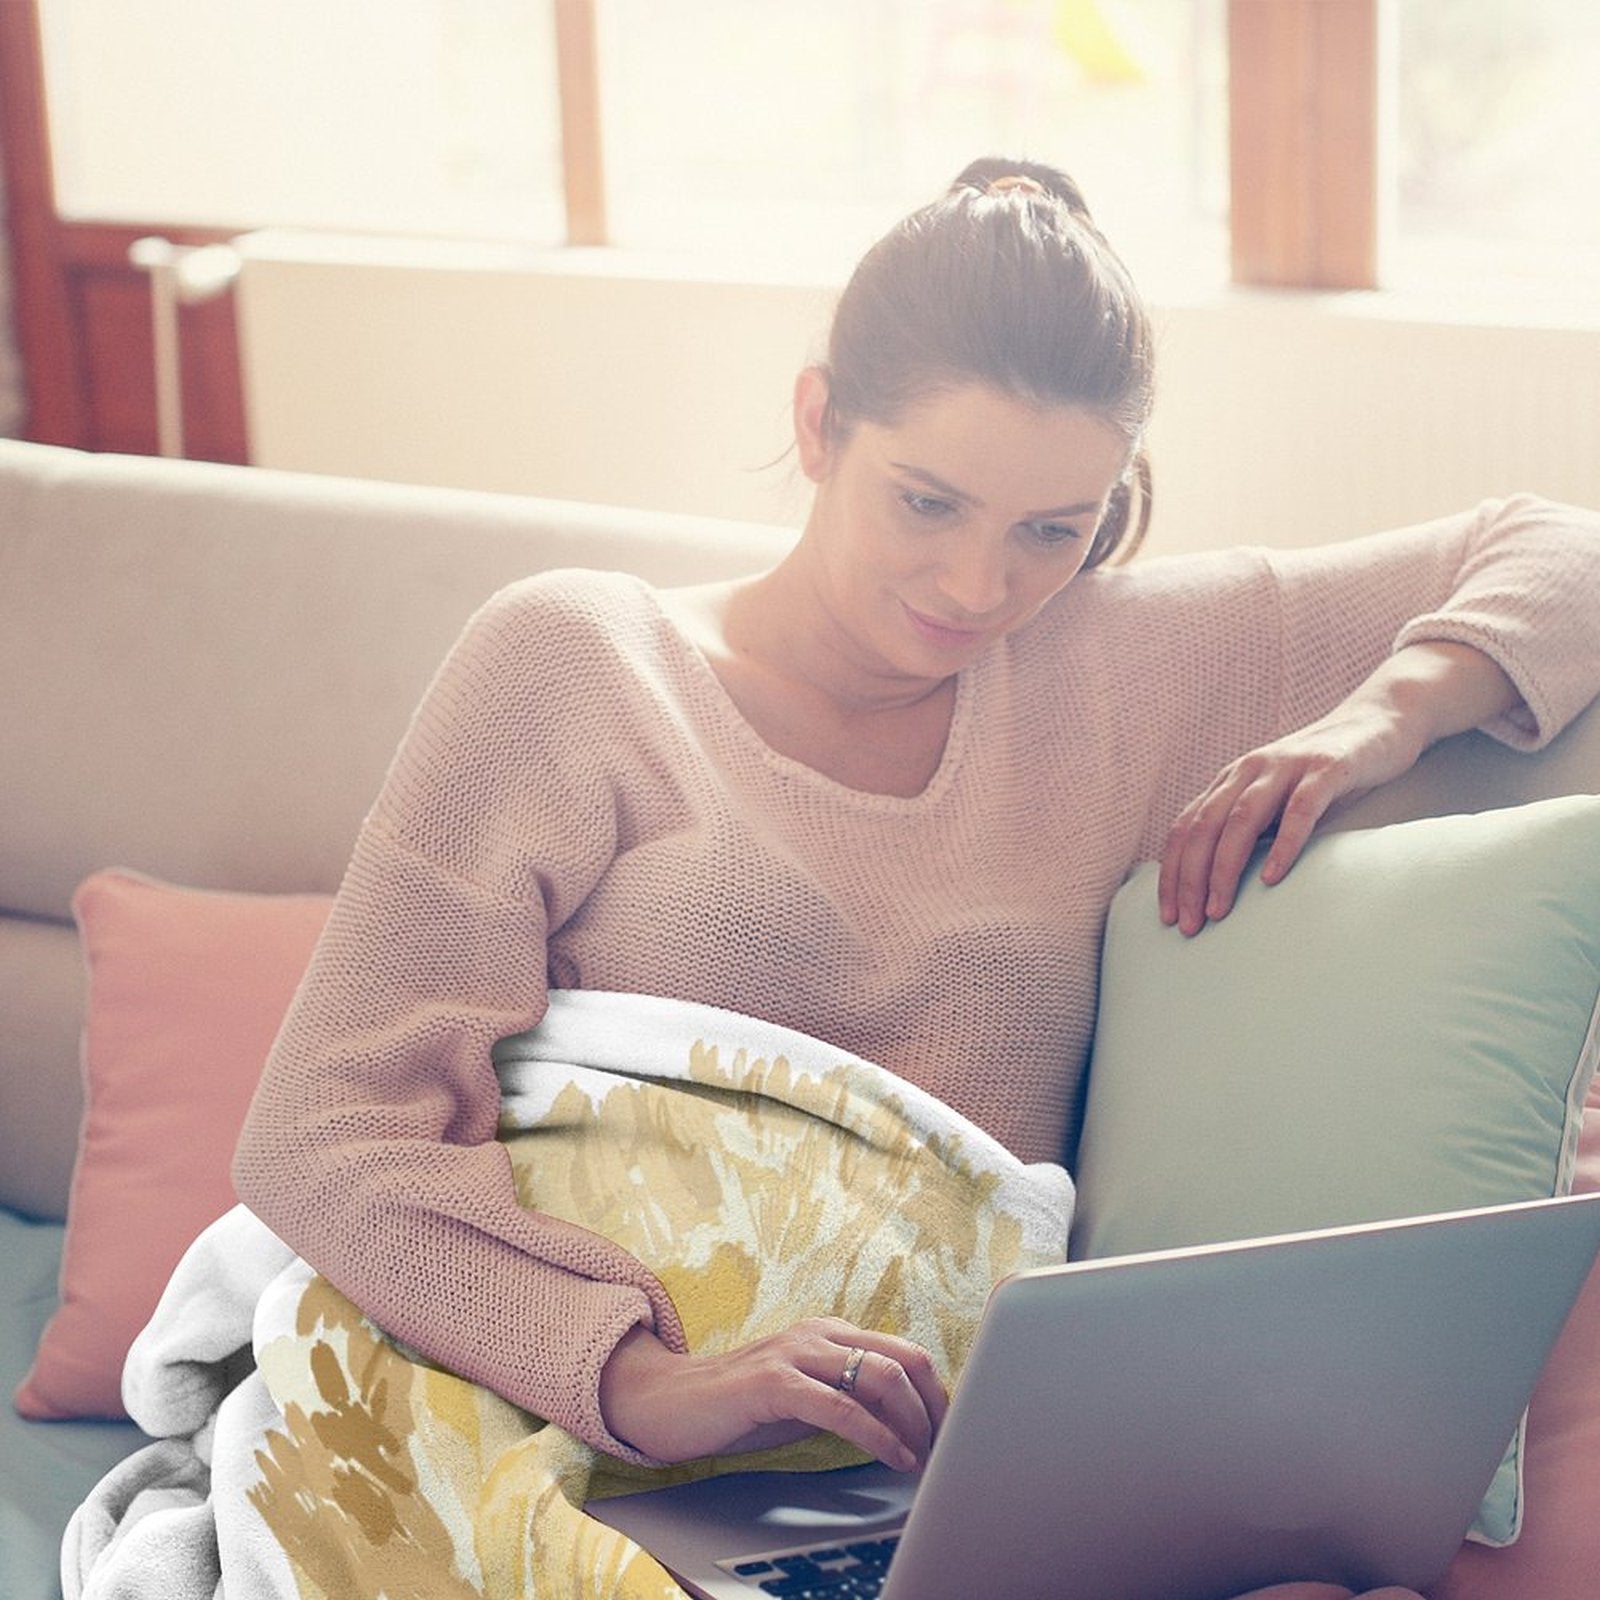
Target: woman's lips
point(941, 633)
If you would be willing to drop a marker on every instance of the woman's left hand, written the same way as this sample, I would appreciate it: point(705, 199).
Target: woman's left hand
point(1291, 783)
point(1420, 694)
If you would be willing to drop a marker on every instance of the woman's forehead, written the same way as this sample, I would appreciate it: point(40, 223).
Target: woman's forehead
point(984, 443)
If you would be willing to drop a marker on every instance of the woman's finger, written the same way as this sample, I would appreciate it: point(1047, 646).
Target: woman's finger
point(1254, 810)
point(815, 1402)
point(1301, 813)
point(876, 1375)
point(1221, 816)
point(883, 1386)
point(1186, 841)
point(914, 1364)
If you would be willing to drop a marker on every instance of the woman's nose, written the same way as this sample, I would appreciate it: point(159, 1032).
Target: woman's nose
point(973, 576)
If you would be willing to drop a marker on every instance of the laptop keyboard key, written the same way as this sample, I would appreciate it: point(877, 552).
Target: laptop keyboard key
point(834, 1572)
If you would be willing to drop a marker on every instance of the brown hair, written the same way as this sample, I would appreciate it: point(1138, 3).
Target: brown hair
point(1004, 280)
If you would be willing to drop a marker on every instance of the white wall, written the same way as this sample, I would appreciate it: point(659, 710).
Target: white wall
point(1284, 418)
point(1294, 419)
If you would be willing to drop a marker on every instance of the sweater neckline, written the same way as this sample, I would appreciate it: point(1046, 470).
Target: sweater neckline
point(714, 696)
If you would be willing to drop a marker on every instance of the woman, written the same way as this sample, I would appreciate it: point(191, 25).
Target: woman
point(882, 793)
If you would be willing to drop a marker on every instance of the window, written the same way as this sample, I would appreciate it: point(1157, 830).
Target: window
point(743, 126)
point(404, 116)
point(1497, 156)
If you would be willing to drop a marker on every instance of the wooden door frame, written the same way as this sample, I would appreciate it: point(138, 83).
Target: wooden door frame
point(81, 309)
point(54, 387)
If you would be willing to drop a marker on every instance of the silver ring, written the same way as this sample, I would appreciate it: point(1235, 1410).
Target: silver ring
point(852, 1369)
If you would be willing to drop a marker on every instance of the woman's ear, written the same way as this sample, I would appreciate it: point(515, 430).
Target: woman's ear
point(813, 428)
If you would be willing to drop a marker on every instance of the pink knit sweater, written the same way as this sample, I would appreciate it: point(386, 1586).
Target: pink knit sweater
point(578, 804)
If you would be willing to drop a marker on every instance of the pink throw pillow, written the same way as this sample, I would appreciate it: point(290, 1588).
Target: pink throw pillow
point(186, 991)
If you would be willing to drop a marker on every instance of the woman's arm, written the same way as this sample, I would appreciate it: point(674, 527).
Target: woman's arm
point(371, 1145)
point(1389, 643)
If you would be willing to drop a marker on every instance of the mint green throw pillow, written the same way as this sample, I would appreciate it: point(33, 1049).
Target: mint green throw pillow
point(1408, 1023)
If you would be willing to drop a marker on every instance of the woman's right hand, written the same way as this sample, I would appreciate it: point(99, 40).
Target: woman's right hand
point(678, 1407)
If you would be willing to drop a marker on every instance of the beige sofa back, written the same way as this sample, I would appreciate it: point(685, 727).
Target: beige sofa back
point(203, 673)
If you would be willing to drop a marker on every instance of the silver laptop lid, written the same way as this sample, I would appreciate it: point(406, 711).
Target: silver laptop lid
point(1192, 1424)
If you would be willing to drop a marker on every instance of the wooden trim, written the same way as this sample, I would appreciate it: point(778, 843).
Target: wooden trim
point(81, 309)
point(104, 246)
point(42, 315)
point(582, 160)
point(1303, 142)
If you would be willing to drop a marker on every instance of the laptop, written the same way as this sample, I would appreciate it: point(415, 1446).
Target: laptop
point(1183, 1425)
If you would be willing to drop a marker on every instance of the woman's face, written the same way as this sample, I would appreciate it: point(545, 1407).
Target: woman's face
point(941, 534)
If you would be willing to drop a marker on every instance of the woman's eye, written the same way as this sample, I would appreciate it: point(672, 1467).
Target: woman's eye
point(926, 505)
point(1053, 533)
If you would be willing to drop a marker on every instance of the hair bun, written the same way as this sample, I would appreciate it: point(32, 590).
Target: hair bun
point(1013, 181)
point(997, 175)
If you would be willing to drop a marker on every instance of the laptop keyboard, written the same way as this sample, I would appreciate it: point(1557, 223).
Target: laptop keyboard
point(826, 1572)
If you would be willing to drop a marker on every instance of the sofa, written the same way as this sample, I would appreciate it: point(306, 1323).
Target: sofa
point(203, 672)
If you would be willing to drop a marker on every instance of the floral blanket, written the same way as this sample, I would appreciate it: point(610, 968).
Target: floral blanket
point(299, 1454)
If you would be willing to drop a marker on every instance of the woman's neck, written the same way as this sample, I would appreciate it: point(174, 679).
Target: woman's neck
point(782, 625)
point(797, 680)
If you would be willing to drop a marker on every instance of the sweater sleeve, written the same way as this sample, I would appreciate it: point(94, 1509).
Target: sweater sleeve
point(1518, 579)
point(370, 1145)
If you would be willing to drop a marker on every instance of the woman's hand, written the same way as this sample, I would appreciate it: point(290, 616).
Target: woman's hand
point(1289, 783)
point(779, 1389)
point(1420, 694)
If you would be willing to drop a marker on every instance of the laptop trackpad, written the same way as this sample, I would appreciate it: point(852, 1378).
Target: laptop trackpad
point(694, 1525)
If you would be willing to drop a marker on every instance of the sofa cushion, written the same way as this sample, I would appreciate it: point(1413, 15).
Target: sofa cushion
point(41, 1097)
point(46, 1470)
point(1407, 1024)
point(186, 990)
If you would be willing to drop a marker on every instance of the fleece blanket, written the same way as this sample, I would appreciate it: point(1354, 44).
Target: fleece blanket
point(300, 1454)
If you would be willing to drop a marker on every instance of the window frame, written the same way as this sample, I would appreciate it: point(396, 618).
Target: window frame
point(1303, 106)
point(582, 151)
